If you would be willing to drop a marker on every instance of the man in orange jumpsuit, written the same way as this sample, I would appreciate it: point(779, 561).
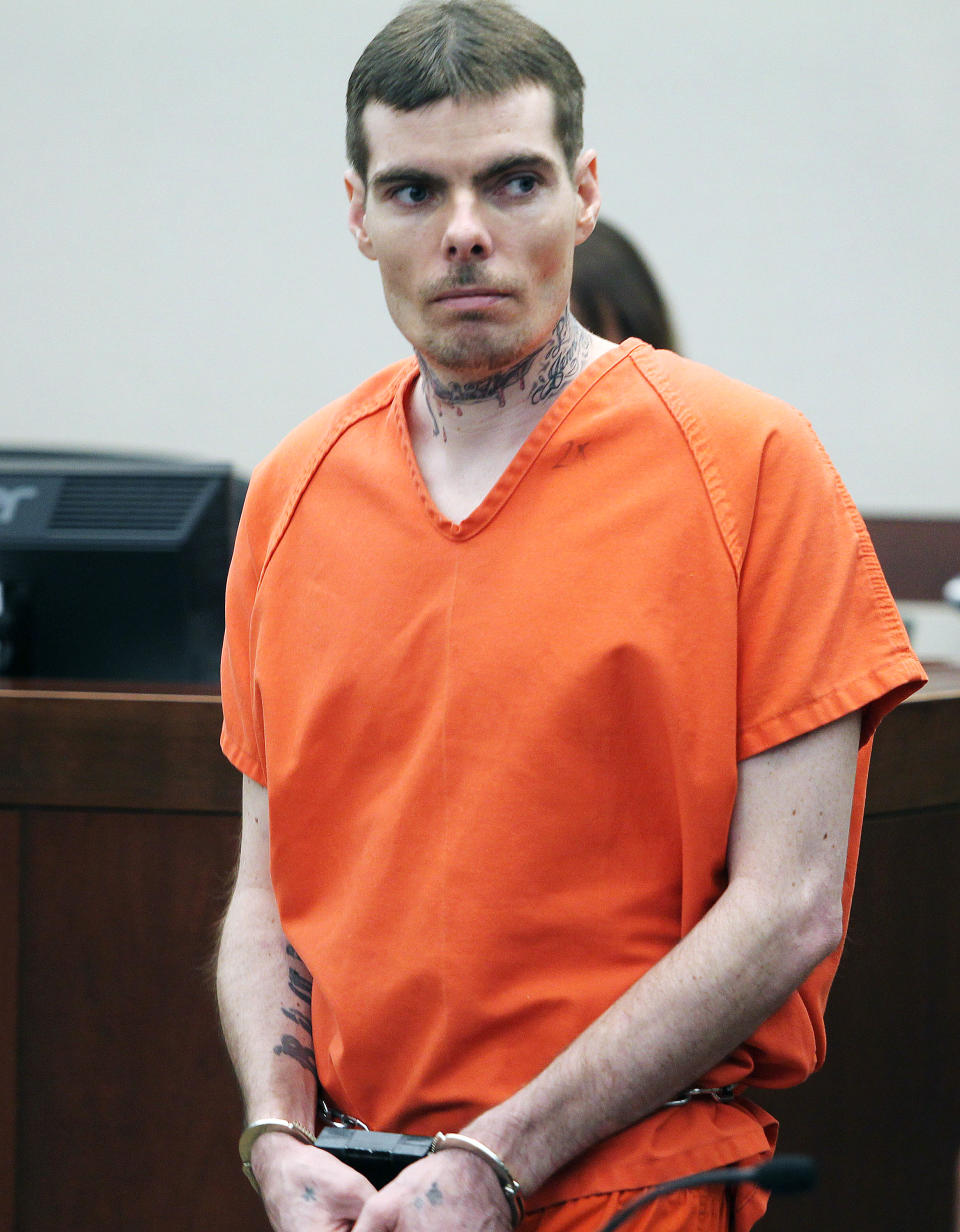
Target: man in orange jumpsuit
point(551, 668)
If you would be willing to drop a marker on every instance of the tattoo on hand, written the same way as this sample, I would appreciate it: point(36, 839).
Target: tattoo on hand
point(433, 1195)
point(290, 1046)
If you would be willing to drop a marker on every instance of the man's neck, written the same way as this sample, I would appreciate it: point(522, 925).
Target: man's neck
point(506, 404)
point(464, 432)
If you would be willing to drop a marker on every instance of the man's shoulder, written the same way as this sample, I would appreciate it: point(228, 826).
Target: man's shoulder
point(705, 399)
point(756, 454)
point(301, 450)
point(298, 447)
point(731, 428)
point(280, 479)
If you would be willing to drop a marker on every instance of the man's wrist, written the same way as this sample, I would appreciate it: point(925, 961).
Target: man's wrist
point(509, 1185)
point(275, 1126)
point(506, 1129)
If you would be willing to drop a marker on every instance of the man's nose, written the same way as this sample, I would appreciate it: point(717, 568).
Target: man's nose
point(466, 237)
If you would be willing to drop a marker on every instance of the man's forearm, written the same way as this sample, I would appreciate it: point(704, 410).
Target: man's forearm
point(264, 993)
point(665, 1032)
point(683, 1017)
point(780, 915)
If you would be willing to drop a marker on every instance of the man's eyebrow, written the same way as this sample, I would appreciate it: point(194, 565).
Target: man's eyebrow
point(523, 161)
point(404, 175)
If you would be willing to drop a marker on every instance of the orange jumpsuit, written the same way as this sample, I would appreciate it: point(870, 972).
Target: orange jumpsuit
point(502, 755)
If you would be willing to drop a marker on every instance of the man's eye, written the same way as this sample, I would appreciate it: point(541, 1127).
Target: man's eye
point(411, 194)
point(520, 185)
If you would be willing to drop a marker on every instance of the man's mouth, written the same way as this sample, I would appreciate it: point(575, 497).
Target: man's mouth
point(471, 297)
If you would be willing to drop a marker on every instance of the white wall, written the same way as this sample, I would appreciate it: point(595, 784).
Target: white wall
point(177, 274)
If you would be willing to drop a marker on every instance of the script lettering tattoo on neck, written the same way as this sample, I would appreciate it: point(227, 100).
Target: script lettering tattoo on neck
point(300, 984)
point(554, 365)
point(453, 394)
point(563, 358)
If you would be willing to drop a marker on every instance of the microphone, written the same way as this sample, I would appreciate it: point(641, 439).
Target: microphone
point(782, 1174)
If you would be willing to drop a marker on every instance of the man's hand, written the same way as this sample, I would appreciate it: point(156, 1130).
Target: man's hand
point(305, 1189)
point(449, 1192)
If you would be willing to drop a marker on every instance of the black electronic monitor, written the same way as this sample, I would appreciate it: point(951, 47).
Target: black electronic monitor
point(113, 567)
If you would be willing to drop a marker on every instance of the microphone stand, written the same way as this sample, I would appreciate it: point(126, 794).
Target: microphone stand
point(784, 1174)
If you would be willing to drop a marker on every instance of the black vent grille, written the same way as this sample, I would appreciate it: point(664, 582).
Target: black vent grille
point(130, 506)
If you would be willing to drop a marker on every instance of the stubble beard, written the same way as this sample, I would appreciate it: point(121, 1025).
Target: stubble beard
point(473, 345)
point(475, 353)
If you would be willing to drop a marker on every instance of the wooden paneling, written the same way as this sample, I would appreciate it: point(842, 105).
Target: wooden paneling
point(119, 820)
point(118, 825)
point(123, 750)
point(916, 758)
point(128, 1112)
point(9, 963)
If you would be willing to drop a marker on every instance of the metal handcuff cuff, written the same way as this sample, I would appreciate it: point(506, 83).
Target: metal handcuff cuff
point(720, 1095)
point(378, 1156)
point(382, 1156)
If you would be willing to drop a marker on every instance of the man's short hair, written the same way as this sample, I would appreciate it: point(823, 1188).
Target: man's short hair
point(462, 49)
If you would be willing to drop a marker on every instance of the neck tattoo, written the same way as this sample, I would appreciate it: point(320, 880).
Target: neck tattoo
point(557, 362)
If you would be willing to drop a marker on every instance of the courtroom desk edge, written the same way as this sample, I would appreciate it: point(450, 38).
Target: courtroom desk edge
point(156, 747)
point(915, 767)
point(133, 748)
point(128, 689)
point(944, 682)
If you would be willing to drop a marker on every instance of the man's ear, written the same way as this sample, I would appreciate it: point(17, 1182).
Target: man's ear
point(588, 193)
point(356, 212)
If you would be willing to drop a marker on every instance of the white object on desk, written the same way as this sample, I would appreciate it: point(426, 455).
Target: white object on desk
point(933, 627)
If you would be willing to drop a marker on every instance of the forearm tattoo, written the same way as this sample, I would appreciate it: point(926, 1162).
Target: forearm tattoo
point(290, 1046)
point(301, 985)
point(295, 1016)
